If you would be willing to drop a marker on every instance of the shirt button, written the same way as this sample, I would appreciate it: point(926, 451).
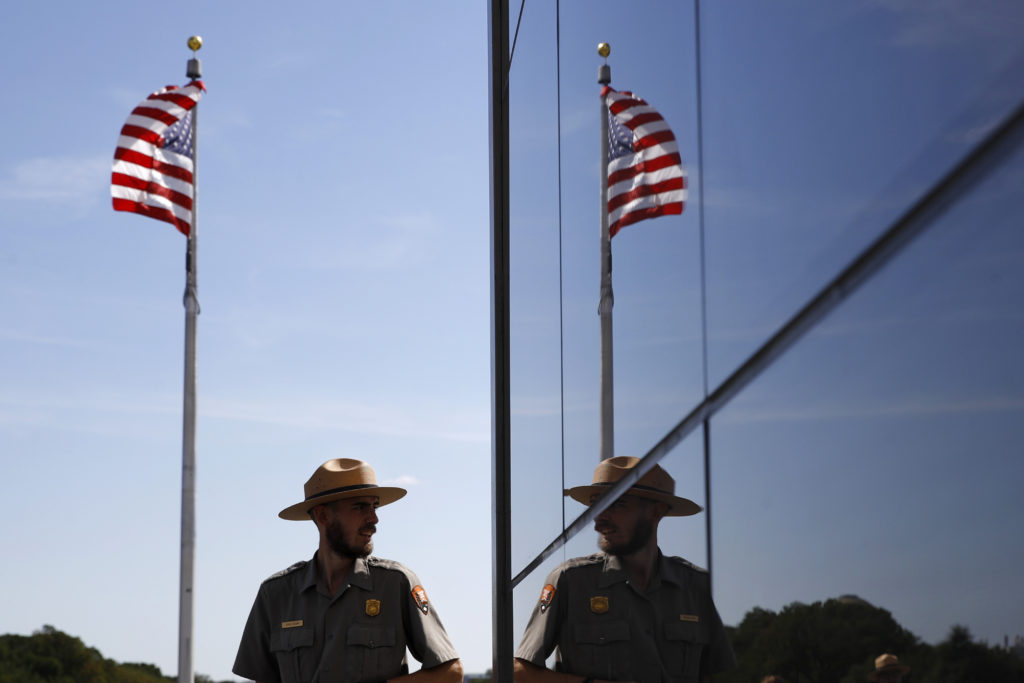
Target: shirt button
point(371, 643)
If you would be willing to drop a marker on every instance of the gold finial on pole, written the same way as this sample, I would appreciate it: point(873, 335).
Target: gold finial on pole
point(195, 66)
point(604, 72)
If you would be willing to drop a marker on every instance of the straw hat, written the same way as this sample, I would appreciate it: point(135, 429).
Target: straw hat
point(340, 478)
point(656, 485)
point(888, 662)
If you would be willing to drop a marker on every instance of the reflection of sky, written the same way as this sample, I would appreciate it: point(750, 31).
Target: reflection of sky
point(876, 457)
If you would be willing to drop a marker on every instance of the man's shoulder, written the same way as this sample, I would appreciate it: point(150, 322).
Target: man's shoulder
point(380, 563)
point(580, 564)
point(680, 564)
point(291, 571)
point(684, 572)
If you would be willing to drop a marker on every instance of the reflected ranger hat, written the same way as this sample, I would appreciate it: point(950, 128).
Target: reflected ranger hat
point(340, 478)
point(887, 662)
point(655, 485)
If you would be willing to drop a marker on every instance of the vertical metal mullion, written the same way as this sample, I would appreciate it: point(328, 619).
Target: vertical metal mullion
point(501, 534)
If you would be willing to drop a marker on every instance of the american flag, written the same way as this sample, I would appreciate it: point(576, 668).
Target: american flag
point(645, 174)
point(153, 161)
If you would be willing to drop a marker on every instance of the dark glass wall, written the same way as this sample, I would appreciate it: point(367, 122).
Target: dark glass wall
point(875, 457)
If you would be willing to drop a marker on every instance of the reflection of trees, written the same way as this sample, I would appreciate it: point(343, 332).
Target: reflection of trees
point(50, 656)
point(837, 641)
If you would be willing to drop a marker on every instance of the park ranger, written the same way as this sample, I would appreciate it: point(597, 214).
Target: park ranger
point(344, 615)
point(627, 613)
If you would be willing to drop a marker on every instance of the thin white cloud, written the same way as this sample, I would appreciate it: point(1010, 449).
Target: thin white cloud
point(333, 113)
point(402, 480)
point(385, 242)
point(909, 407)
point(418, 419)
point(118, 414)
point(45, 340)
point(938, 23)
point(57, 179)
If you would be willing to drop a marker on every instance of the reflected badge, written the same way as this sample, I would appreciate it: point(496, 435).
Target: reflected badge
point(599, 604)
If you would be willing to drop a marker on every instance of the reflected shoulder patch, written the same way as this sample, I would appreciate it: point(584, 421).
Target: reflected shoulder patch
point(547, 594)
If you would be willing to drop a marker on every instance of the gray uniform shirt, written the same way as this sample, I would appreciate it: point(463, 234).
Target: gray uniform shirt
point(297, 632)
point(604, 627)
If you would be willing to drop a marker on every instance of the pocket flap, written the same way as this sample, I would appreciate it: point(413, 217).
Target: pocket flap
point(371, 636)
point(687, 631)
point(291, 638)
point(603, 632)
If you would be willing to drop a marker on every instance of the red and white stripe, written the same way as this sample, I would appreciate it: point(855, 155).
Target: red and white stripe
point(148, 179)
point(650, 182)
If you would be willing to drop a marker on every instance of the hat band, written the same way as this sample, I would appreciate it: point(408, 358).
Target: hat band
point(329, 492)
point(636, 486)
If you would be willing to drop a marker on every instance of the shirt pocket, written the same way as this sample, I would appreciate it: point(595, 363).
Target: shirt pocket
point(685, 641)
point(293, 649)
point(372, 653)
point(604, 649)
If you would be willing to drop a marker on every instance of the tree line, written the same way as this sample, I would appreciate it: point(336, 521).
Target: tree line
point(836, 641)
point(51, 656)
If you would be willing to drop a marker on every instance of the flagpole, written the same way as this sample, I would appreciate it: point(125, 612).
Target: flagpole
point(188, 449)
point(606, 443)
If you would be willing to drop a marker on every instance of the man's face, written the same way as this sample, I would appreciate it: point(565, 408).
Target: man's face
point(351, 524)
point(625, 526)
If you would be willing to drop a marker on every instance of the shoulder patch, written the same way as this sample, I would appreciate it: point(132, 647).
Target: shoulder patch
point(420, 597)
point(285, 572)
point(547, 594)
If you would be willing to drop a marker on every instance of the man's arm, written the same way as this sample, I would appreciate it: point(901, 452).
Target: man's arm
point(528, 672)
point(449, 672)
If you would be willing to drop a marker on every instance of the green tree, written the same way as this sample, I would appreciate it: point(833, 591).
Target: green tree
point(818, 642)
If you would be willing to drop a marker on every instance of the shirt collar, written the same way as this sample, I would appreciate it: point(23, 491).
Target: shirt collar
point(309, 574)
point(358, 576)
point(612, 572)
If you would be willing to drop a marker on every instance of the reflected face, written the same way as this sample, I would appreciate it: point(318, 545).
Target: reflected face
point(625, 526)
point(351, 524)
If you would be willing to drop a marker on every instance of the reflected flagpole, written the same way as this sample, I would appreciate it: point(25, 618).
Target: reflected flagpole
point(642, 176)
point(606, 442)
point(188, 440)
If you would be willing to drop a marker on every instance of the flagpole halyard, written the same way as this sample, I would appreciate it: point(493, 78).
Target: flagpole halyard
point(186, 609)
point(606, 442)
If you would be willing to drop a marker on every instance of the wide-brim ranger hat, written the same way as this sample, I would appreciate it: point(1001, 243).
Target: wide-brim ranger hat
point(887, 662)
point(657, 484)
point(340, 478)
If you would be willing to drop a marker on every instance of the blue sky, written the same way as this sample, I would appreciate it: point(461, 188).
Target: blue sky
point(342, 266)
point(343, 279)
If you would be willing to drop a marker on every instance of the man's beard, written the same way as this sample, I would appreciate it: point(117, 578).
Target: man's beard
point(336, 540)
point(642, 531)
